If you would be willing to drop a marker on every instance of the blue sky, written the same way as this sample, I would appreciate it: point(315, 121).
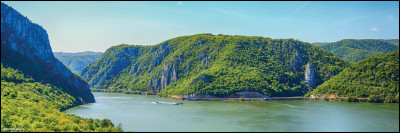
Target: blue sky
point(96, 26)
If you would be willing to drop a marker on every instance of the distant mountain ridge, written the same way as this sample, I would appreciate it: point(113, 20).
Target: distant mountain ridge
point(77, 53)
point(77, 61)
point(392, 41)
point(355, 50)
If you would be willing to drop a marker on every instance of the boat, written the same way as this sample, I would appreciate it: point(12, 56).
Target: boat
point(158, 102)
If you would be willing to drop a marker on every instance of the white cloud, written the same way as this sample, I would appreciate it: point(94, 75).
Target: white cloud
point(180, 3)
point(374, 29)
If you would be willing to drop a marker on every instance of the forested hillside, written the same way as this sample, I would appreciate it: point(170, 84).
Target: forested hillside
point(392, 41)
point(25, 46)
point(355, 50)
point(77, 61)
point(217, 65)
point(375, 78)
point(35, 107)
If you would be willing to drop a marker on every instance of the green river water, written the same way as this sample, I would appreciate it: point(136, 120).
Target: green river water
point(138, 113)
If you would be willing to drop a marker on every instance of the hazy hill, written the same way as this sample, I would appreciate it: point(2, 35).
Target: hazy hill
point(392, 41)
point(77, 61)
point(355, 50)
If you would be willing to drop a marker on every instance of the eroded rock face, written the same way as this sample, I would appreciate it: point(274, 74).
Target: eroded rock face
point(309, 76)
point(296, 62)
point(29, 41)
point(167, 75)
point(23, 36)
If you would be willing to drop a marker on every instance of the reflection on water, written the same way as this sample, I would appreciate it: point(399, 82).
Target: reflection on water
point(138, 113)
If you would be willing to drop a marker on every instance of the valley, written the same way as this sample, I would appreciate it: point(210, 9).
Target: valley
point(184, 71)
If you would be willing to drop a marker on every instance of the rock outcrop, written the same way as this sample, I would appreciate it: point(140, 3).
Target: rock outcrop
point(25, 46)
point(296, 62)
point(309, 76)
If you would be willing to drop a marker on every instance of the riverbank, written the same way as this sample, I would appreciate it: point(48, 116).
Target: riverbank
point(373, 98)
point(238, 96)
point(243, 99)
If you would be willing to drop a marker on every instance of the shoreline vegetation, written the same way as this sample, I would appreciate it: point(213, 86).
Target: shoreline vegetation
point(371, 99)
point(36, 107)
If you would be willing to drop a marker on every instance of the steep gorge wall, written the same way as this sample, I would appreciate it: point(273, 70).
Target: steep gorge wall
point(25, 46)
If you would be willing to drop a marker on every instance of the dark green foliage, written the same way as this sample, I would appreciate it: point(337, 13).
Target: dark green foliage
point(36, 107)
point(392, 41)
point(326, 99)
point(375, 78)
point(217, 65)
point(351, 99)
point(355, 50)
point(77, 61)
point(390, 98)
point(320, 43)
point(375, 98)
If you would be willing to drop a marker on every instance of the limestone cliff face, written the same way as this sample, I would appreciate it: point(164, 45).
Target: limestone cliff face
point(296, 62)
point(309, 76)
point(26, 38)
point(28, 42)
point(168, 74)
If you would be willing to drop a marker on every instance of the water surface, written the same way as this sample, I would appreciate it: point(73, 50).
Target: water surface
point(138, 113)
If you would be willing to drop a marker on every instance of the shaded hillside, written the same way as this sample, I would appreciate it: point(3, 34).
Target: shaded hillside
point(217, 65)
point(355, 50)
point(77, 61)
point(375, 77)
point(25, 46)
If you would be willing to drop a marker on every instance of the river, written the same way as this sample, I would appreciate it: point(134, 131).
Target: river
point(138, 113)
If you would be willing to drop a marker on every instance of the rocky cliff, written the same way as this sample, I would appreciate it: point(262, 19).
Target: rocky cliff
point(25, 46)
point(309, 76)
point(214, 65)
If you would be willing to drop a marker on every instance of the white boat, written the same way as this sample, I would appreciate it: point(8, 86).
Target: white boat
point(158, 102)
